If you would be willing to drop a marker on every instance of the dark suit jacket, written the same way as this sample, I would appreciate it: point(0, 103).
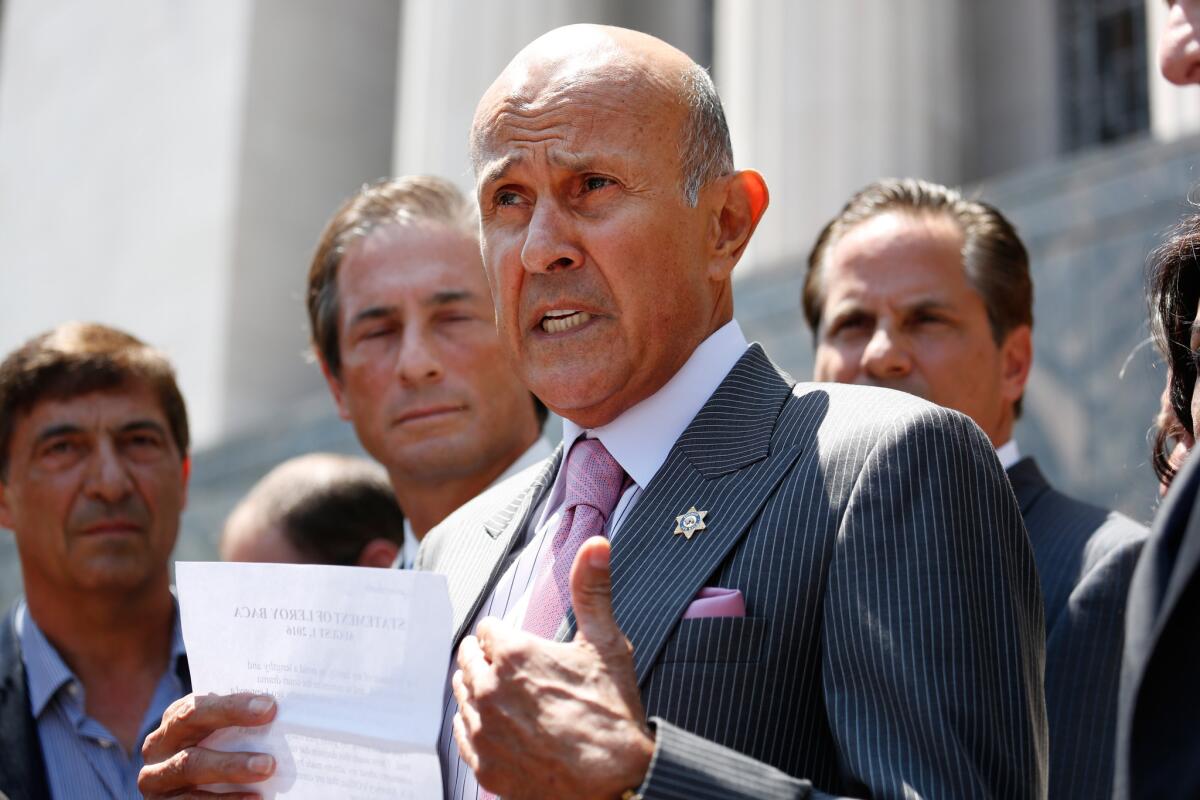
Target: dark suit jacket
point(1158, 722)
point(22, 768)
point(893, 634)
point(1085, 557)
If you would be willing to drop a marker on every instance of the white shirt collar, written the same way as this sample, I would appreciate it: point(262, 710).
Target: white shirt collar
point(641, 438)
point(1008, 453)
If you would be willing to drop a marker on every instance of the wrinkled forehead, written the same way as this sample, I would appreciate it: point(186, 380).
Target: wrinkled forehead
point(571, 93)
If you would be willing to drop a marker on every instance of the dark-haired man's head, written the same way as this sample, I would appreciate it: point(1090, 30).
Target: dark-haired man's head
point(403, 324)
point(93, 460)
point(916, 288)
point(320, 508)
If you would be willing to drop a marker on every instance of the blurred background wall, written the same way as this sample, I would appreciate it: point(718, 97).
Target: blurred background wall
point(166, 167)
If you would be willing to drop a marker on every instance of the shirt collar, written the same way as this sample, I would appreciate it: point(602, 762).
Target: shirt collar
point(47, 673)
point(1008, 453)
point(641, 438)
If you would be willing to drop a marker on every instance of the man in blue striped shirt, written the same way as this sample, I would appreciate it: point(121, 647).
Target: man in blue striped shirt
point(93, 478)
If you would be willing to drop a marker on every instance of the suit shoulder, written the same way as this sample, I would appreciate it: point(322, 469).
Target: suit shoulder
point(490, 503)
point(1105, 530)
point(857, 416)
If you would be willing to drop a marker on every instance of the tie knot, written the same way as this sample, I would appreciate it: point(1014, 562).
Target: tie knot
point(594, 478)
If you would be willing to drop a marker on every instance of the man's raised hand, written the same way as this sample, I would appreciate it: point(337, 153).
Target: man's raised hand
point(175, 764)
point(545, 719)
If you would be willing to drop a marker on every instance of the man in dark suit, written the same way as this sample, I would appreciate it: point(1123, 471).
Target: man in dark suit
point(916, 288)
point(93, 476)
point(824, 589)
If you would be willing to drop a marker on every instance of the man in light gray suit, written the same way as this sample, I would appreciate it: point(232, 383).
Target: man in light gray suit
point(914, 287)
point(809, 590)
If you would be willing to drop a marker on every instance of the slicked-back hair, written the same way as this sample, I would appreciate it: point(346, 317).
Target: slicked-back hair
point(993, 255)
point(328, 506)
point(1173, 283)
point(79, 358)
point(411, 200)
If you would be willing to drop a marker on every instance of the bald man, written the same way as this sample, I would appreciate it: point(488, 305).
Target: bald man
point(318, 508)
point(695, 599)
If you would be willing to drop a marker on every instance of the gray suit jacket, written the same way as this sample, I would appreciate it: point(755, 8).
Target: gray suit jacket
point(1085, 556)
point(893, 635)
point(1158, 720)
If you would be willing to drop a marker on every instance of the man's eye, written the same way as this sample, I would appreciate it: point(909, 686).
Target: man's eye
point(507, 198)
point(848, 324)
point(377, 333)
point(594, 182)
point(59, 448)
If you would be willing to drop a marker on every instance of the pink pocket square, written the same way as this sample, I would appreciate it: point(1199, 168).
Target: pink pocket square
point(716, 602)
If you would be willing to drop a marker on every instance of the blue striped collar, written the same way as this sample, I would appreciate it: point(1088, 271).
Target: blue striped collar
point(48, 674)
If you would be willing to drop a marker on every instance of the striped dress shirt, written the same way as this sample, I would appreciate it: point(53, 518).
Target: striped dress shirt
point(639, 440)
point(83, 759)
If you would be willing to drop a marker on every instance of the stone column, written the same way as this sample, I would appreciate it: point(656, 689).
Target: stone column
point(452, 50)
point(826, 97)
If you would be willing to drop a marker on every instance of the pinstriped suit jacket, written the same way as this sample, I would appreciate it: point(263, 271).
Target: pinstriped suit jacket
point(893, 640)
point(1085, 556)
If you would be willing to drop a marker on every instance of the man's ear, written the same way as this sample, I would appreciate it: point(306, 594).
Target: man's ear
point(6, 519)
point(378, 552)
point(1016, 360)
point(187, 475)
point(743, 199)
point(335, 388)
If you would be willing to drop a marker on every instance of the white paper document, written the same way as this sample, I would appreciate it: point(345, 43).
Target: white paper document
point(356, 658)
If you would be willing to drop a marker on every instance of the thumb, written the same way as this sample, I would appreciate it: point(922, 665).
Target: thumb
point(591, 597)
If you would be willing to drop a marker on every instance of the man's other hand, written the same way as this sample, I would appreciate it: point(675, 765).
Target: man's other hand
point(545, 719)
point(175, 764)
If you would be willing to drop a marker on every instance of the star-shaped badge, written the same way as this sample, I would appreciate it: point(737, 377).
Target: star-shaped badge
point(690, 522)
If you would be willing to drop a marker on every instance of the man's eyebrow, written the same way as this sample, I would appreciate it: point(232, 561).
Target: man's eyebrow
point(573, 162)
point(448, 296)
point(54, 431)
point(143, 425)
point(498, 170)
point(372, 312)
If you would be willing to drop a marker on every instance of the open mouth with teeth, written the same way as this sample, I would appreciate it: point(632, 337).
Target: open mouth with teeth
point(563, 320)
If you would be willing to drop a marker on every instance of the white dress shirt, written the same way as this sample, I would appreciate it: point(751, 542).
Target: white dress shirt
point(538, 451)
point(1008, 453)
point(640, 440)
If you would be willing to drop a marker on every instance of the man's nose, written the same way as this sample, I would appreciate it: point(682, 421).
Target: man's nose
point(885, 356)
point(1179, 47)
point(108, 475)
point(418, 361)
point(549, 240)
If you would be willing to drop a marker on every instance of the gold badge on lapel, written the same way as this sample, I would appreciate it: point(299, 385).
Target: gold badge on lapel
point(690, 522)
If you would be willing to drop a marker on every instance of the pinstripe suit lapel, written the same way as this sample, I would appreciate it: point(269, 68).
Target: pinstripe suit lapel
point(1028, 483)
point(476, 569)
point(723, 464)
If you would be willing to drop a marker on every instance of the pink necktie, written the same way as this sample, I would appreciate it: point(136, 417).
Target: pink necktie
point(594, 484)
